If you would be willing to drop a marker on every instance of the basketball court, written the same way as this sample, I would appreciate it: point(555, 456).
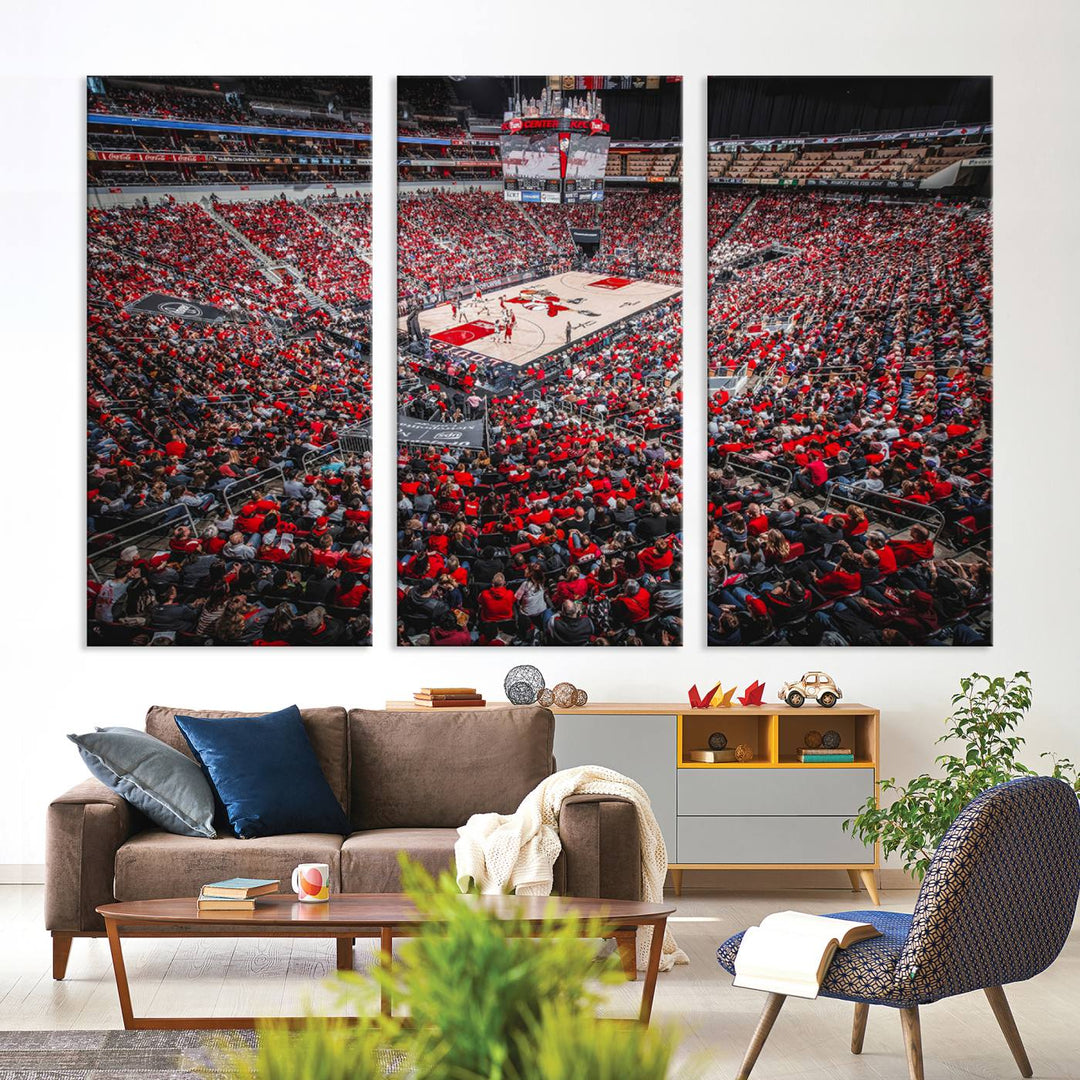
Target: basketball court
point(543, 309)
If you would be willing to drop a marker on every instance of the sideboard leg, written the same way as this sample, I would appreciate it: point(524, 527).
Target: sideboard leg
point(867, 877)
point(853, 877)
point(676, 881)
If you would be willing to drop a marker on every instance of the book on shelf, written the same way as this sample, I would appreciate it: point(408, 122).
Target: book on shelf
point(825, 750)
point(790, 951)
point(239, 888)
point(449, 703)
point(712, 757)
point(446, 691)
point(834, 756)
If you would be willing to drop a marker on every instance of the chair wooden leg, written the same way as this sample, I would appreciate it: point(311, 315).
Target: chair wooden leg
point(867, 878)
point(61, 950)
point(853, 877)
point(858, 1027)
point(909, 1019)
point(1000, 1004)
point(768, 1016)
point(676, 881)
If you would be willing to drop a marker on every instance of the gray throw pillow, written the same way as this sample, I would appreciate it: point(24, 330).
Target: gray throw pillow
point(167, 786)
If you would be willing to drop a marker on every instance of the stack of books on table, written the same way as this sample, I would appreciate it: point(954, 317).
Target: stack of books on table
point(448, 697)
point(823, 755)
point(235, 894)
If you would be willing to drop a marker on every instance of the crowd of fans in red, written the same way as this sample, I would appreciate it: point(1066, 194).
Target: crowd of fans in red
point(849, 427)
point(217, 511)
point(450, 240)
point(566, 528)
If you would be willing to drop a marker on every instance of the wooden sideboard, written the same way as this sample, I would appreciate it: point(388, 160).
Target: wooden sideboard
point(773, 812)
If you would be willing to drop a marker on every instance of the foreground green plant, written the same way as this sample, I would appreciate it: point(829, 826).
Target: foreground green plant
point(986, 713)
point(318, 1050)
point(487, 999)
point(568, 1045)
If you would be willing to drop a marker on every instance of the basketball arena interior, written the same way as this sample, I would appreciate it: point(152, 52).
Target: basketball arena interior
point(229, 361)
point(540, 361)
point(850, 361)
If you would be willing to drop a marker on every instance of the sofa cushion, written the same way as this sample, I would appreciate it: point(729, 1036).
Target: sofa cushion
point(167, 786)
point(265, 773)
point(369, 859)
point(436, 768)
point(159, 865)
point(325, 727)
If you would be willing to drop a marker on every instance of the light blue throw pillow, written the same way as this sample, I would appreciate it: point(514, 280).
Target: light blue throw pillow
point(167, 786)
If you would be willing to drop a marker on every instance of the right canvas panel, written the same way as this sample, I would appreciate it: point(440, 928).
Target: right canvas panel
point(850, 361)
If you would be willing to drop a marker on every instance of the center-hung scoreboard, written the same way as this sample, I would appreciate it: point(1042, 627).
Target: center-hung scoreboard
point(554, 159)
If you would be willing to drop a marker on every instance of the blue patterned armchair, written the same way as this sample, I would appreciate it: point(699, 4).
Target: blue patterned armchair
point(995, 907)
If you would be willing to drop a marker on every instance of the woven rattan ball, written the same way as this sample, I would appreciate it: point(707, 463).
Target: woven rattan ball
point(830, 740)
point(545, 698)
point(522, 684)
point(717, 741)
point(580, 698)
point(812, 740)
point(564, 694)
point(743, 753)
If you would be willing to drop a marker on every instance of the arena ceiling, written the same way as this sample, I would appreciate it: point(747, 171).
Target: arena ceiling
point(825, 105)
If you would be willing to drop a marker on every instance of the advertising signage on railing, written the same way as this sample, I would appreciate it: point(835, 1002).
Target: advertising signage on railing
point(245, 129)
point(830, 182)
point(131, 155)
point(436, 140)
point(915, 134)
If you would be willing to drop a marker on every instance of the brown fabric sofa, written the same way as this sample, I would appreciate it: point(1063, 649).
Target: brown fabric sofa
point(406, 780)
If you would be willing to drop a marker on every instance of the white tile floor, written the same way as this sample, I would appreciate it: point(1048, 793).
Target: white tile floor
point(960, 1036)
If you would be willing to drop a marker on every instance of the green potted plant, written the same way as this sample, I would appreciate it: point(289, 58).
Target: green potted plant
point(486, 1001)
point(986, 713)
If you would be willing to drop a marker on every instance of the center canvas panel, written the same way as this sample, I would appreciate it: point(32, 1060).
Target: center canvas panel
point(229, 273)
point(539, 360)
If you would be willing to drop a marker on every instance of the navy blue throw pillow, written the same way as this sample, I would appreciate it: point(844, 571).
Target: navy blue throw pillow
point(266, 774)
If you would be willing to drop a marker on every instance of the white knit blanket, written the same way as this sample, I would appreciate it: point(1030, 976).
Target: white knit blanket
point(517, 852)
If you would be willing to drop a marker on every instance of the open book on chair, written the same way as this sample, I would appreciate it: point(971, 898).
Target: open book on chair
point(790, 951)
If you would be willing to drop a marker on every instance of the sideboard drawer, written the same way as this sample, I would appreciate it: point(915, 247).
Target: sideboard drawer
point(774, 792)
point(766, 840)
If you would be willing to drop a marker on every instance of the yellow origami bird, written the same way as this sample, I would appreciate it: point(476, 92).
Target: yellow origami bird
point(722, 698)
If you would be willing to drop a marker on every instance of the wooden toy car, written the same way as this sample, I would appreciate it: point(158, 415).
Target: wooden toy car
point(814, 684)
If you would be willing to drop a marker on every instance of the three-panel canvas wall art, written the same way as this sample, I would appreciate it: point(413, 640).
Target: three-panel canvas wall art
point(540, 369)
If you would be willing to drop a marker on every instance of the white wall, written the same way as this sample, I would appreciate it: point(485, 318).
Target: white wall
point(54, 685)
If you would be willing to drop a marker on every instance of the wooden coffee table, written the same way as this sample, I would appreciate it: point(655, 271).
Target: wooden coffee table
point(346, 917)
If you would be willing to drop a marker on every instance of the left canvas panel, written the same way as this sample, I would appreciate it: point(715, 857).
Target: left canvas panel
point(228, 360)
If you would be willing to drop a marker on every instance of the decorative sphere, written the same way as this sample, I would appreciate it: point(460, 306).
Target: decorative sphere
point(717, 740)
point(545, 698)
point(830, 740)
point(812, 740)
point(522, 684)
point(580, 698)
point(564, 694)
point(744, 753)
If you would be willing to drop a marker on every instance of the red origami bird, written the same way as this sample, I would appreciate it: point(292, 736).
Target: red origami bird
point(753, 694)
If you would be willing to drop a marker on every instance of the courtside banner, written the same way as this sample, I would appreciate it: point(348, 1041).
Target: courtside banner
point(157, 303)
point(470, 433)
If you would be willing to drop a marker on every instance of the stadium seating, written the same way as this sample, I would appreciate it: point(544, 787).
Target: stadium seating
point(218, 510)
point(849, 427)
point(566, 529)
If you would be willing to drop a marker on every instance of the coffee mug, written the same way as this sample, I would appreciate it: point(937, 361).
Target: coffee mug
point(311, 882)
